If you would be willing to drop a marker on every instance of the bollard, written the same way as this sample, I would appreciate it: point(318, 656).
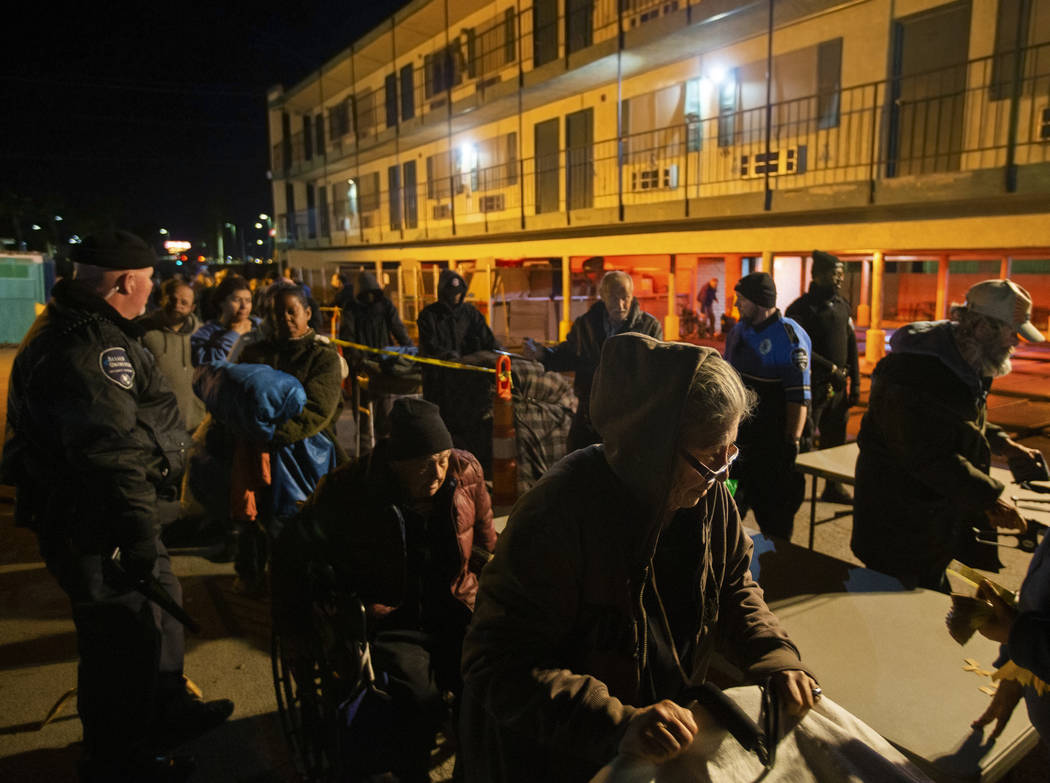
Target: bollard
point(504, 439)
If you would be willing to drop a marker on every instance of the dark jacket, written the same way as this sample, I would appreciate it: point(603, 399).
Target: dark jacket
point(559, 653)
point(93, 429)
point(826, 317)
point(925, 451)
point(448, 331)
point(320, 369)
point(370, 318)
point(171, 350)
point(350, 515)
point(583, 347)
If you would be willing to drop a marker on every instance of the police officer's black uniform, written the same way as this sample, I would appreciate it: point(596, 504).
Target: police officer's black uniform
point(826, 317)
point(94, 438)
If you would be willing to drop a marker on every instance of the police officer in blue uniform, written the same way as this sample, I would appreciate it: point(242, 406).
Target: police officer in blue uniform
point(771, 353)
point(95, 441)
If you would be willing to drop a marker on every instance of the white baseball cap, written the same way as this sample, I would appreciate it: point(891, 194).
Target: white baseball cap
point(1005, 301)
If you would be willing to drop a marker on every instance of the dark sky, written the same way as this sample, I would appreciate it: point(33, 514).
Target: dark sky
point(153, 115)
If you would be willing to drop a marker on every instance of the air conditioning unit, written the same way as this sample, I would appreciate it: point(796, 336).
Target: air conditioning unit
point(1042, 124)
point(638, 12)
point(655, 178)
point(789, 160)
point(368, 220)
point(442, 212)
point(494, 203)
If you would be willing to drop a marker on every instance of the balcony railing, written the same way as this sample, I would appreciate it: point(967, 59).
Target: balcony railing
point(955, 120)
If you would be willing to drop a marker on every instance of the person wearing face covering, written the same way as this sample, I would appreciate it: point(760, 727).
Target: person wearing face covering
point(835, 370)
point(616, 312)
point(451, 329)
point(407, 529)
point(615, 576)
point(371, 319)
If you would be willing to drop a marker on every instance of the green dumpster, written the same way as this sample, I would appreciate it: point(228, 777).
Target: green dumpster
point(21, 288)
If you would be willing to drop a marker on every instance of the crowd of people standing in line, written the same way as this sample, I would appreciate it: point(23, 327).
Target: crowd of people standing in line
point(566, 639)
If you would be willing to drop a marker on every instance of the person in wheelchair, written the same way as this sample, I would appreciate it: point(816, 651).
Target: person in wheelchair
point(407, 529)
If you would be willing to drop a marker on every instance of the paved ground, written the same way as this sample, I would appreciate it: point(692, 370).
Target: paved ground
point(230, 658)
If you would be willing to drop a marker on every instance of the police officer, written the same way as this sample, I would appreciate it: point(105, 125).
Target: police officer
point(94, 440)
point(771, 353)
point(825, 316)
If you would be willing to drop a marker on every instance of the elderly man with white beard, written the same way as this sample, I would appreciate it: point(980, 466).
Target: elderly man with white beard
point(923, 483)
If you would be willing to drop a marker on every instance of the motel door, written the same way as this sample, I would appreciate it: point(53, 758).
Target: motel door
point(579, 159)
point(928, 91)
point(547, 190)
point(545, 31)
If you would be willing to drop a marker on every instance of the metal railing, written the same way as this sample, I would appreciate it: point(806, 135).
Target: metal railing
point(950, 120)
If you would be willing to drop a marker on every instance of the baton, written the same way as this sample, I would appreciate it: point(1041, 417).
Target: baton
point(152, 590)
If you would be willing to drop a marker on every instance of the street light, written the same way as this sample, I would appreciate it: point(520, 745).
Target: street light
point(164, 232)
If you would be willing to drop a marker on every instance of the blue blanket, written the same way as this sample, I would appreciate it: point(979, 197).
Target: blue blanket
point(252, 400)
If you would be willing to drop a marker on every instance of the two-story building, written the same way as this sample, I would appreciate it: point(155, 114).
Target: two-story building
point(537, 142)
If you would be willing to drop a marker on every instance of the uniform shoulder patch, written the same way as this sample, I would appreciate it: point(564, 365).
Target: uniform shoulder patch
point(800, 358)
point(116, 366)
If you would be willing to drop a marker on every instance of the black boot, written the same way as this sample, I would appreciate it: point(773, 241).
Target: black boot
point(182, 715)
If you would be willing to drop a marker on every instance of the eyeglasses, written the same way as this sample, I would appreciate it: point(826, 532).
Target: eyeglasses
point(732, 452)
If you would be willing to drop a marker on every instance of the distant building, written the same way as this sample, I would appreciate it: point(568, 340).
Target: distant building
point(522, 138)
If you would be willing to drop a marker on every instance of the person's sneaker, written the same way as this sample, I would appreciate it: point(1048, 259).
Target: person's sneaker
point(834, 492)
point(153, 769)
point(183, 716)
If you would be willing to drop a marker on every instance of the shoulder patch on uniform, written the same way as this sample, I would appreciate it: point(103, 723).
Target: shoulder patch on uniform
point(800, 358)
point(116, 366)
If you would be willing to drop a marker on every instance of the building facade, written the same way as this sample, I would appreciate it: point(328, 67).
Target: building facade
point(537, 142)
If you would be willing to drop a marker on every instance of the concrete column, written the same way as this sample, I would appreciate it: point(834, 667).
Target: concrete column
point(733, 265)
point(875, 347)
point(487, 264)
point(671, 320)
point(565, 324)
point(864, 308)
point(940, 311)
point(766, 264)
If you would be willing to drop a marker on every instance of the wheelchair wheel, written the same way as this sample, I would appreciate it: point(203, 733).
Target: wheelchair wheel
point(307, 707)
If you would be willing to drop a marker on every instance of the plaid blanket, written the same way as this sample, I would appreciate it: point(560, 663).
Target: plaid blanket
point(544, 405)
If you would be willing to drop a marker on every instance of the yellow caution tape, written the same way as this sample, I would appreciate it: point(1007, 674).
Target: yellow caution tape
point(418, 359)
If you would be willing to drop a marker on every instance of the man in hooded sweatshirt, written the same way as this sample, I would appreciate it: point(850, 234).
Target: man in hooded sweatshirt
point(923, 484)
point(451, 328)
point(615, 576)
point(167, 335)
point(616, 312)
point(371, 319)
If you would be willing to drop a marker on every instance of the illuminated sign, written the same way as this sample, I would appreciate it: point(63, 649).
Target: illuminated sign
point(174, 246)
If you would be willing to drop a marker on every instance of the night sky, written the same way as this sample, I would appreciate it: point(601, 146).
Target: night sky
point(153, 115)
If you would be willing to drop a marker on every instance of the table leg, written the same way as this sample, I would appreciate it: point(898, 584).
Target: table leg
point(812, 510)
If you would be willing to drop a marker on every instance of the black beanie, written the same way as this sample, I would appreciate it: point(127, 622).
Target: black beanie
point(823, 262)
point(416, 429)
point(114, 250)
point(759, 288)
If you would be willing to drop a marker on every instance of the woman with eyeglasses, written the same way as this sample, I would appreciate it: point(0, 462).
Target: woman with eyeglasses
point(614, 578)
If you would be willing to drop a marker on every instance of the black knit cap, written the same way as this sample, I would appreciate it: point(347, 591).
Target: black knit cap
point(416, 429)
point(823, 262)
point(759, 288)
point(114, 250)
